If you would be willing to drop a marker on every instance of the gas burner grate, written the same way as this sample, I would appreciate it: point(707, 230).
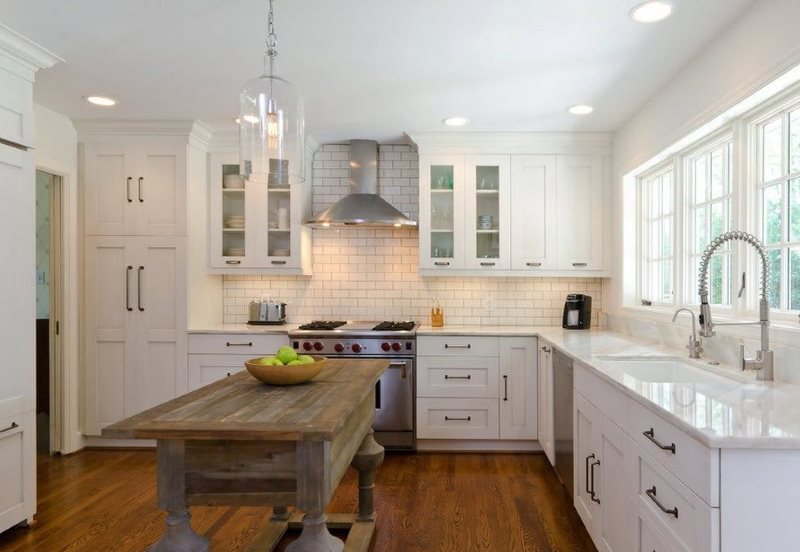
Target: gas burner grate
point(323, 325)
point(394, 326)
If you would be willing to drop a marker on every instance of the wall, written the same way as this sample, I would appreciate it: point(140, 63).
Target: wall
point(374, 273)
point(757, 47)
point(57, 153)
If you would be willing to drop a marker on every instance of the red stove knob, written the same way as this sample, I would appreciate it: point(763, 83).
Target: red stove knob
point(395, 347)
point(339, 348)
point(386, 347)
point(356, 348)
point(317, 346)
point(307, 346)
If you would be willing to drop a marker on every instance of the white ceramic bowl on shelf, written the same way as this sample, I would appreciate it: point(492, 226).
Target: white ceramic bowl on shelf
point(232, 182)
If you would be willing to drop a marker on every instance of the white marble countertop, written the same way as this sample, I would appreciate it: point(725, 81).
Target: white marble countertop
point(244, 329)
point(521, 331)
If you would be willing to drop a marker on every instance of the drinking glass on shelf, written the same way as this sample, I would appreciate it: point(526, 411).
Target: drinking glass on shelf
point(435, 252)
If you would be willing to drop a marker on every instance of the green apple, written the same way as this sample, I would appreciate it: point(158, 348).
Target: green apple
point(270, 361)
point(286, 354)
point(294, 362)
point(305, 359)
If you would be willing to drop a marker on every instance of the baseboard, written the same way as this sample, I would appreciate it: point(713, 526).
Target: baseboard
point(472, 445)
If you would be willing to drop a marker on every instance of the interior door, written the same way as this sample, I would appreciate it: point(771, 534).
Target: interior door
point(110, 202)
point(518, 382)
point(160, 308)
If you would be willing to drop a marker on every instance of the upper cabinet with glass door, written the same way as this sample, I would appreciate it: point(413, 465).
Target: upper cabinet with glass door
point(488, 210)
point(441, 221)
point(256, 226)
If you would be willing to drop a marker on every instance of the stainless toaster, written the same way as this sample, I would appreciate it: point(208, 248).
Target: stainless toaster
point(267, 312)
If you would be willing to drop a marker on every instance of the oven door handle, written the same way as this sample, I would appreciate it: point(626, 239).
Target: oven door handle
point(403, 365)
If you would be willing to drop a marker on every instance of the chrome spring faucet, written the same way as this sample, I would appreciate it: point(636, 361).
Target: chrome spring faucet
point(763, 361)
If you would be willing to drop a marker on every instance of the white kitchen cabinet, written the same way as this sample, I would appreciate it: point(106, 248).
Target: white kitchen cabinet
point(533, 212)
point(441, 212)
point(213, 356)
point(135, 320)
point(262, 238)
point(546, 404)
point(134, 188)
point(518, 402)
point(18, 476)
point(487, 211)
point(578, 220)
point(586, 440)
point(477, 387)
point(16, 108)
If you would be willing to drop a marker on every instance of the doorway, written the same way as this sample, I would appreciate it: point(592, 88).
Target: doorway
point(49, 287)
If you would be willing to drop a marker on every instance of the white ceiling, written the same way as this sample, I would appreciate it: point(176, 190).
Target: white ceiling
point(368, 68)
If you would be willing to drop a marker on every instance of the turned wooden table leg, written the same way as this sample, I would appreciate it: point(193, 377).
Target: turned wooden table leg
point(179, 535)
point(313, 493)
point(366, 461)
point(280, 513)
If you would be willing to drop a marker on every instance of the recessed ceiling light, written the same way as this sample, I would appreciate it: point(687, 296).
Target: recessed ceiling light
point(101, 100)
point(651, 11)
point(455, 121)
point(580, 109)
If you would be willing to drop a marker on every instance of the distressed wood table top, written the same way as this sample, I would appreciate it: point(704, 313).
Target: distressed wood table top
point(240, 407)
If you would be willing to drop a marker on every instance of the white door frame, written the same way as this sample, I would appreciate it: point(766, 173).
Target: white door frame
point(66, 378)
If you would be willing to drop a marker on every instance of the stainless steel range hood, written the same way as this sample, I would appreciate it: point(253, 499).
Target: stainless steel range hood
point(362, 206)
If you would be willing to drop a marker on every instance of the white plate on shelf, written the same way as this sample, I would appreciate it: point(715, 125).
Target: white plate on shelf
point(232, 182)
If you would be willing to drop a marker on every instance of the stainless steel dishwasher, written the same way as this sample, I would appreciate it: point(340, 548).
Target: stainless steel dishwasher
point(562, 426)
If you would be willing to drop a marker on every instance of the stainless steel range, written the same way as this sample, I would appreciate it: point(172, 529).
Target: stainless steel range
point(395, 392)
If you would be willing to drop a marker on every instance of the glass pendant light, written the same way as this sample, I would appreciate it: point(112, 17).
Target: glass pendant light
point(271, 124)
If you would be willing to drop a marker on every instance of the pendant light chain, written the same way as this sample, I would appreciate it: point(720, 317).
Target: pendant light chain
point(272, 40)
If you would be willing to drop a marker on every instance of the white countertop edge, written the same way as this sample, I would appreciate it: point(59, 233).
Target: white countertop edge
point(244, 329)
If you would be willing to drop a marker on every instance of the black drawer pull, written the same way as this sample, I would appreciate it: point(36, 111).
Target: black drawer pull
point(229, 344)
point(448, 419)
point(651, 434)
point(233, 262)
point(468, 377)
point(13, 425)
point(278, 262)
point(467, 346)
point(441, 263)
point(579, 264)
point(533, 264)
point(488, 264)
point(652, 494)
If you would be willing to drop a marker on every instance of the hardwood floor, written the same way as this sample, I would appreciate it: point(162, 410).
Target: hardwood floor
point(104, 500)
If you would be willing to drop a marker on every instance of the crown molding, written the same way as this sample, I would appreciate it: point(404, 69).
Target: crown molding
point(22, 56)
point(201, 135)
point(512, 142)
point(124, 127)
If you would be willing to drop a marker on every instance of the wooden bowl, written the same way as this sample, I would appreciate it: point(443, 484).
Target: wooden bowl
point(285, 375)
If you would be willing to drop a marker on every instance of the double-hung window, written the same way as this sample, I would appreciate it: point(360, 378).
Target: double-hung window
point(778, 189)
point(657, 236)
point(709, 204)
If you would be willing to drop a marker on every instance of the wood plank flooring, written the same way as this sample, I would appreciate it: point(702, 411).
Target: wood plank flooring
point(102, 500)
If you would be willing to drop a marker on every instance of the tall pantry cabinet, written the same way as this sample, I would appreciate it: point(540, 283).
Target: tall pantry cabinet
point(19, 61)
point(136, 182)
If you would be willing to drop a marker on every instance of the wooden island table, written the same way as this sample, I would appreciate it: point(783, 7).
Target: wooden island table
point(241, 442)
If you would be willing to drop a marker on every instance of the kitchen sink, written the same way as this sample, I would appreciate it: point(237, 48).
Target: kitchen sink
point(665, 369)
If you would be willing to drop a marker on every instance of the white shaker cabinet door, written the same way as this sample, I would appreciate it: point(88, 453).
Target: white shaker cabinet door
point(545, 393)
point(160, 373)
point(160, 189)
point(518, 379)
point(17, 291)
point(579, 212)
point(17, 468)
point(611, 487)
point(533, 212)
point(586, 461)
point(110, 329)
point(110, 189)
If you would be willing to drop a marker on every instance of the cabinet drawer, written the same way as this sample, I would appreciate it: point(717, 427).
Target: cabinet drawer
point(457, 377)
point(205, 369)
point(648, 538)
point(457, 419)
point(252, 345)
point(609, 400)
point(685, 520)
point(457, 345)
point(696, 465)
point(17, 476)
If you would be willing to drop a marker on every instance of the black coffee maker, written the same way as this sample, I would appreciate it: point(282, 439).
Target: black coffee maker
point(577, 312)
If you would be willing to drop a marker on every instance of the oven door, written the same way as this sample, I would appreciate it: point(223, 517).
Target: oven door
point(394, 397)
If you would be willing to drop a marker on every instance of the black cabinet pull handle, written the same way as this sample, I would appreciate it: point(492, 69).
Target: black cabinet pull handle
point(579, 264)
point(652, 494)
point(128, 288)
point(448, 419)
point(651, 435)
point(13, 425)
point(230, 262)
point(467, 377)
point(588, 489)
point(505, 384)
point(592, 467)
point(488, 264)
point(533, 264)
point(128, 189)
point(467, 346)
point(139, 290)
point(229, 344)
point(278, 262)
point(141, 199)
point(441, 263)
